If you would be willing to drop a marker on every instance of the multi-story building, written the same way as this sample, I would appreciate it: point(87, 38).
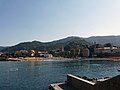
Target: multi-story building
point(85, 52)
point(107, 50)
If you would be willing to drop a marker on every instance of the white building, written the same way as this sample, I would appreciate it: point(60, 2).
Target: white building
point(107, 50)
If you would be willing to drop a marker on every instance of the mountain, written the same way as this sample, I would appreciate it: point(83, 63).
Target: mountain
point(22, 46)
point(68, 43)
point(1, 48)
point(115, 40)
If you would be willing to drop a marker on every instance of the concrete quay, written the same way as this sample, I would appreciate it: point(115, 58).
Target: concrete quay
point(61, 86)
point(78, 83)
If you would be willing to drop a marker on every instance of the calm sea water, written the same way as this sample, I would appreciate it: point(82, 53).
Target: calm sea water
point(37, 75)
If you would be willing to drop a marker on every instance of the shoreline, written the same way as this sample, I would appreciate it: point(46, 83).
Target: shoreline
point(87, 59)
point(60, 58)
point(25, 59)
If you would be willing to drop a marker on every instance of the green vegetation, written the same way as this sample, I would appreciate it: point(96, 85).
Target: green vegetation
point(68, 43)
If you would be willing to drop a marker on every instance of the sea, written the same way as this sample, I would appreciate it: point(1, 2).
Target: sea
point(38, 75)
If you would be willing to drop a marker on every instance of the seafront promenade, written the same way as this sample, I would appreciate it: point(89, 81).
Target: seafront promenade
point(60, 58)
point(27, 58)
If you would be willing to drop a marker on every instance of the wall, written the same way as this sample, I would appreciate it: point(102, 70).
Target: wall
point(110, 84)
point(79, 83)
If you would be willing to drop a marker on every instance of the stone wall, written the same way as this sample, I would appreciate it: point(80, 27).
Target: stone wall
point(110, 84)
point(79, 83)
point(82, 84)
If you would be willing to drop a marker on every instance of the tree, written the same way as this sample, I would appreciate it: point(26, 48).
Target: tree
point(108, 45)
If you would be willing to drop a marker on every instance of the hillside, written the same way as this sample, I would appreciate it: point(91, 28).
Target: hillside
point(1, 48)
point(68, 43)
point(115, 40)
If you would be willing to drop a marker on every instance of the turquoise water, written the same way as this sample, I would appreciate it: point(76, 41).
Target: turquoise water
point(37, 75)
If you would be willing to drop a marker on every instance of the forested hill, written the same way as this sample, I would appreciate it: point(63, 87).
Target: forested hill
point(1, 47)
point(115, 40)
point(68, 43)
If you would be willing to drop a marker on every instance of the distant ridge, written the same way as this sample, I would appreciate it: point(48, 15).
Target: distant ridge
point(1, 47)
point(67, 43)
point(104, 39)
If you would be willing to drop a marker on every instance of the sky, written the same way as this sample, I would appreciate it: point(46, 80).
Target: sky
point(48, 20)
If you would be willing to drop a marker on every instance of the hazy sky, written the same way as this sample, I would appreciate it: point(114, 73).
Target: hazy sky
point(47, 20)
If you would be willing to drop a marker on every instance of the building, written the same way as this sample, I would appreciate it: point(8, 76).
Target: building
point(107, 50)
point(85, 52)
point(48, 55)
point(1, 53)
point(32, 53)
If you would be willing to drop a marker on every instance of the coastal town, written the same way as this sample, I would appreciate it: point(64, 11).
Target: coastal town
point(94, 51)
point(59, 44)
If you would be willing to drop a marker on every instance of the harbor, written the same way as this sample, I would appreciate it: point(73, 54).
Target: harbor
point(38, 75)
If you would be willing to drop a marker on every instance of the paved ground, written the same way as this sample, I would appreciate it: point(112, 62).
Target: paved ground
point(67, 87)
